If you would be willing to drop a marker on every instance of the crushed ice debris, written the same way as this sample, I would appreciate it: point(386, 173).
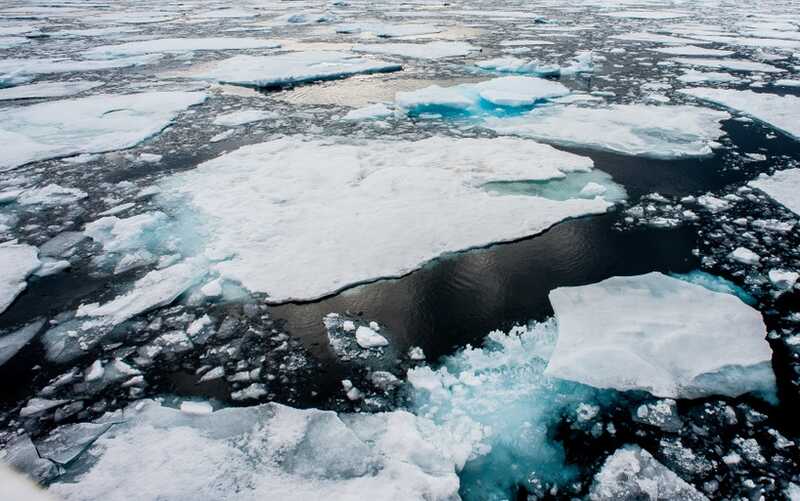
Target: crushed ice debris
point(382, 187)
point(291, 68)
point(674, 339)
point(664, 132)
point(87, 125)
point(773, 110)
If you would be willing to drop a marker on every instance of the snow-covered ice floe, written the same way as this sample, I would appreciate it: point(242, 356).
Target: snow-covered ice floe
point(342, 213)
point(266, 451)
point(662, 335)
point(162, 45)
point(14, 71)
point(292, 68)
point(48, 89)
point(17, 262)
point(665, 132)
point(728, 64)
point(776, 111)
point(384, 30)
point(511, 91)
point(583, 62)
point(243, 117)
point(92, 124)
point(783, 187)
point(633, 473)
point(430, 50)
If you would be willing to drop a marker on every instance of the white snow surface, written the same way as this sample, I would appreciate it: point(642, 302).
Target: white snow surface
point(660, 334)
point(268, 451)
point(783, 187)
point(291, 68)
point(48, 89)
point(17, 262)
point(179, 45)
point(780, 112)
point(665, 132)
point(431, 50)
point(92, 124)
point(342, 213)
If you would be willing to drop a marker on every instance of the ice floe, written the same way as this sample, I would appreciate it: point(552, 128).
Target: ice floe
point(385, 188)
point(17, 262)
point(87, 125)
point(662, 335)
point(384, 30)
point(728, 64)
point(48, 89)
point(693, 50)
point(292, 68)
point(268, 450)
point(162, 45)
point(12, 342)
point(780, 112)
point(665, 132)
point(783, 187)
point(373, 111)
point(14, 71)
point(430, 50)
point(243, 117)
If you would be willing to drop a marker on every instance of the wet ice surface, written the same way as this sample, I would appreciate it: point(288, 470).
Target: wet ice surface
point(176, 172)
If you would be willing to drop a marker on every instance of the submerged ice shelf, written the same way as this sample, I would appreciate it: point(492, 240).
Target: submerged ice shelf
point(344, 212)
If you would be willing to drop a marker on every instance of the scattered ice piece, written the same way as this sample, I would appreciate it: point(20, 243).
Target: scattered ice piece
point(664, 132)
point(632, 473)
point(373, 111)
point(694, 76)
point(728, 64)
point(51, 194)
point(415, 353)
point(383, 30)
point(662, 414)
point(87, 125)
point(124, 234)
point(693, 50)
point(430, 50)
point(198, 325)
point(381, 188)
point(12, 342)
point(48, 89)
point(178, 45)
point(780, 112)
point(17, 262)
point(95, 371)
point(292, 68)
point(38, 405)
point(196, 408)
point(348, 326)
point(243, 117)
point(786, 82)
point(592, 189)
point(653, 38)
point(783, 187)
point(368, 338)
point(252, 392)
point(783, 279)
point(215, 373)
point(660, 334)
point(745, 256)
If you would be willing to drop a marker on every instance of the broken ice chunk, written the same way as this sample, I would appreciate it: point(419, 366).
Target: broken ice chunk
point(783, 279)
point(17, 262)
point(243, 117)
point(373, 111)
point(660, 334)
point(11, 343)
point(368, 338)
point(783, 187)
point(196, 408)
point(745, 256)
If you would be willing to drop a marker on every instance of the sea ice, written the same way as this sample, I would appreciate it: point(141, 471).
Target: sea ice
point(48, 89)
point(660, 334)
point(666, 132)
point(694, 76)
point(242, 117)
point(430, 50)
point(12, 342)
point(692, 50)
point(388, 30)
point(368, 338)
point(161, 45)
point(314, 192)
point(17, 262)
point(14, 71)
point(780, 112)
point(87, 125)
point(265, 451)
point(292, 68)
point(631, 473)
point(783, 187)
point(373, 111)
point(728, 64)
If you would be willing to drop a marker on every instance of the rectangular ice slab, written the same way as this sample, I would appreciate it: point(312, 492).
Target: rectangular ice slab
point(263, 452)
point(292, 68)
point(665, 132)
point(662, 335)
point(780, 112)
point(87, 125)
point(304, 218)
point(783, 187)
point(17, 262)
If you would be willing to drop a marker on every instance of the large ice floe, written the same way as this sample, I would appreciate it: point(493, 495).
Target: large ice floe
point(511, 91)
point(662, 335)
point(14, 71)
point(729, 64)
point(339, 213)
point(268, 451)
point(292, 68)
point(429, 50)
point(665, 132)
point(783, 187)
point(87, 125)
point(48, 89)
point(17, 262)
point(776, 111)
point(179, 45)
